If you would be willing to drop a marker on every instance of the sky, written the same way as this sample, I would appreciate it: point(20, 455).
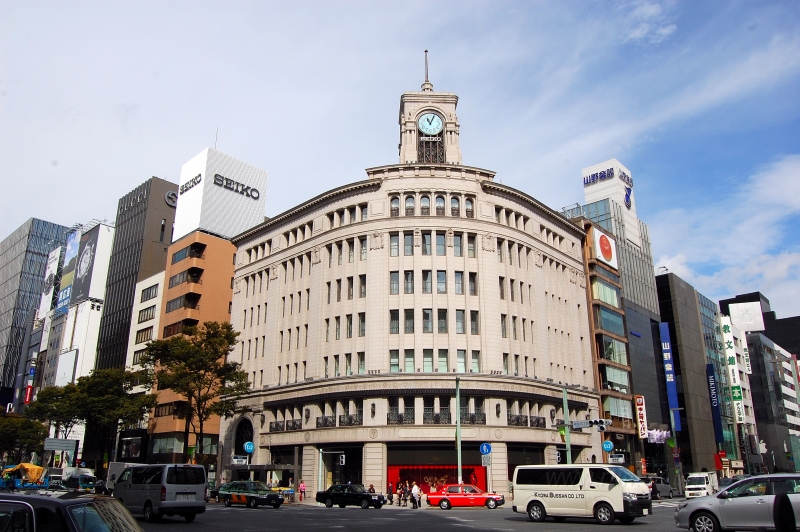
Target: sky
point(700, 100)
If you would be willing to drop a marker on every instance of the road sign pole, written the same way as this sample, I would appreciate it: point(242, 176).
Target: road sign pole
point(566, 425)
point(458, 425)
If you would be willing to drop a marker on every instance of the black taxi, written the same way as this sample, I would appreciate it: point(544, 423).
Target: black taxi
point(249, 492)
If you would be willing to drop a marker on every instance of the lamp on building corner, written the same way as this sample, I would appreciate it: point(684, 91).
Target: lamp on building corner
point(308, 414)
point(552, 414)
point(497, 409)
point(372, 410)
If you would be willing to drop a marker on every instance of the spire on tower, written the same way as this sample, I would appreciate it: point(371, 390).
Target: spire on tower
point(427, 86)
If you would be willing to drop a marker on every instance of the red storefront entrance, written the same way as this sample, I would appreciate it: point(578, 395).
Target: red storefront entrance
point(432, 477)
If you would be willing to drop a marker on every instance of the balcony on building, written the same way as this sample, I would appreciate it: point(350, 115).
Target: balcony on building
point(324, 422)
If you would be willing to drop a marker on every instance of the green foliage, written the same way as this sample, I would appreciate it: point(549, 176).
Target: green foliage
point(57, 405)
point(195, 366)
point(20, 437)
point(106, 398)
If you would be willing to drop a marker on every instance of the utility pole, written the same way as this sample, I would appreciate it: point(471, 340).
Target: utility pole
point(458, 425)
point(566, 425)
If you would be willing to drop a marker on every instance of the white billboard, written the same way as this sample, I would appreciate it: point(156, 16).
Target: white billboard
point(219, 194)
point(91, 269)
point(605, 248)
point(65, 371)
point(50, 272)
point(747, 317)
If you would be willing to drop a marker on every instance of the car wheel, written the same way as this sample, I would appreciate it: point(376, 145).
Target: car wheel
point(226, 501)
point(604, 514)
point(329, 503)
point(342, 505)
point(276, 505)
point(252, 502)
point(536, 512)
point(365, 504)
point(625, 520)
point(189, 517)
point(670, 494)
point(559, 519)
point(704, 522)
point(491, 504)
point(378, 506)
point(444, 504)
point(150, 515)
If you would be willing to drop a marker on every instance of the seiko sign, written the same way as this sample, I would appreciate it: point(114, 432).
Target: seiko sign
point(235, 186)
point(192, 182)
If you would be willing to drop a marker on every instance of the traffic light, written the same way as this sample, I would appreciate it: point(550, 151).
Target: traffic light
point(601, 424)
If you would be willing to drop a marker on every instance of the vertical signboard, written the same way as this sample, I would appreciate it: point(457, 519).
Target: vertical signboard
point(641, 416)
point(733, 369)
point(84, 265)
point(669, 374)
point(68, 272)
point(50, 272)
point(713, 394)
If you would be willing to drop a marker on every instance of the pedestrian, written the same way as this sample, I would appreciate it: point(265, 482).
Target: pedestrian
point(404, 491)
point(415, 496)
point(371, 489)
point(302, 488)
point(269, 483)
point(390, 494)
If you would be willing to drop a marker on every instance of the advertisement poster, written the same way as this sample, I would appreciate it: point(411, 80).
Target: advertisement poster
point(605, 249)
point(641, 416)
point(733, 369)
point(713, 394)
point(50, 272)
point(669, 373)
point(68, 273)
point(84, 265)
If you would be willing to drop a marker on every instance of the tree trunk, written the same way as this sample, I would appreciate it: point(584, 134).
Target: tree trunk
point(186, 436)
point(198, 453)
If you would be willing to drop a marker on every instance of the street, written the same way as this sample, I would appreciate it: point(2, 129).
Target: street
point(302, 517)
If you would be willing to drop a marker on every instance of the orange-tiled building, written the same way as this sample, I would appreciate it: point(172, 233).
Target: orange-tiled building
point(198, 289)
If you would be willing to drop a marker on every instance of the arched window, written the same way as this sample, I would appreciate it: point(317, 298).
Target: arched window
point(410, 206)
point(455, 207)
point(470, 212)
point(395, 206)
point(425, 206)
point(439, 206)
point(244, 434)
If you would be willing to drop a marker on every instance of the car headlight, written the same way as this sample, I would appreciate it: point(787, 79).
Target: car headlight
point(683, 505)
point(375, 497)
point(629, 496)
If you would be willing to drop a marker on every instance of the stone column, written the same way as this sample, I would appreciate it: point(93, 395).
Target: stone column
point(498, 471)
point(310, 470)
point(550, 455)
point(374, 465)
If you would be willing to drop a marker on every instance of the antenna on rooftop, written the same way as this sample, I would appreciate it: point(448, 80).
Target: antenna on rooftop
point(426, 65)
point(216, 135)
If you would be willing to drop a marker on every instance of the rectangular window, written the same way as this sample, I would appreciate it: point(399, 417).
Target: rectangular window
point(149, 293)
point(409, 360)
point(476, 361)
point(503, 331)
point(461, 361)
point(408, 282)
point(137, 356)
point(521, 292)
point(363, 244)
point(328, 286)
point(618, 407)
point(524, 326)
point(327, 330)
point(409, 320)
point(330, 256)
point(460, 329)
point(408, 244)
point(505, 363)
point(441, 282)
point(338, 326)
point(426, 243)
point(362, 323)
point(443, 361)
point(457, 247)
point(427, 281)
point(510, 254)
point(473, 284)
point(341, 253)
point(350, 288)
point(474, 322)
point(427, 360)
point(363, 213)
point(394, 283)
point(144, 335)
point(147, 314)
point(348, 364)
point(514, 327)
point(362, 363)
point(362, 285)
point(178, 278)
point(335, 367)
point(459, 287)
point(349, 325)
point(471, 246)
point(442, 320)
point(325, 360)
point(605, 292)
point(613, 350)
point(427, 320)
point(175, 304)
point(394, 360)
point(338, 289)
point(394, 245)
point(511, 289)
point(502, 285)
point(440, 244)
point(609, 320)
point(173, 329)
point(500, 247)
point(394, 322)
point(180, 255)
point(351, 250)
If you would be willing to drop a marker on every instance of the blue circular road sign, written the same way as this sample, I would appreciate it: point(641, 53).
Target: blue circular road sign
point(249, 447)
point(486, 448)
point(608, 446)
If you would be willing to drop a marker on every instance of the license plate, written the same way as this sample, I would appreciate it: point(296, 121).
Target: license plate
point(186, 497)
point(645, 511)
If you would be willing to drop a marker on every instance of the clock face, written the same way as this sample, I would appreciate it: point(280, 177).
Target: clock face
point(430, 124)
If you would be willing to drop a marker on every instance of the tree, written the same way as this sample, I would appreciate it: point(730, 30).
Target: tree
point(57, 405)
point(194, 365)
point(20, 437)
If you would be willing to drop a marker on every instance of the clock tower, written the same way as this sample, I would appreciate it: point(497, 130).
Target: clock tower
point(429, 126)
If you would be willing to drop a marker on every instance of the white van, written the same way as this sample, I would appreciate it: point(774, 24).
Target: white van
point(701, 484)
point(163, 489)
point(605, 492)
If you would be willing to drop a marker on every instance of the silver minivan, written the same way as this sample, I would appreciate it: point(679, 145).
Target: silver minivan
point(163, 489)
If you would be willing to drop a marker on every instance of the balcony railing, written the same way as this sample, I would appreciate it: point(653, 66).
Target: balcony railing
point(437, 418)
point(538, 422)
point(517, 420)
point(324, 422)
point(395, 212)
point(455, 211)
point(409, 211)
point(425, 211)
point(277, 426)
point(294, 424)
point(478, 418)
point(351, 420)
point(400, 418)
point(470, 213)
point(439, 211)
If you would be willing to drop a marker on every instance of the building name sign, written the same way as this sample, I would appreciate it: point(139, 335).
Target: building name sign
point(669, 373)
point(191, 183)
point(235, 186)
point(733, 369)
point(713, 395)
point(602, 175)
point(430, 139)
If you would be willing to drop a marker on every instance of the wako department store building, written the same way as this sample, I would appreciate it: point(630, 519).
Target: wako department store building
point(360, 307)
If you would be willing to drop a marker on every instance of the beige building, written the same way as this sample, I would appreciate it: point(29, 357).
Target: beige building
point(359, 308)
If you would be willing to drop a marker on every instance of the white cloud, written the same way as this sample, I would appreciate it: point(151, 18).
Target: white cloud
point(647, 22)
point(740, 243)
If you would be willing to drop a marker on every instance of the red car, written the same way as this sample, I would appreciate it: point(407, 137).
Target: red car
point(464, 495)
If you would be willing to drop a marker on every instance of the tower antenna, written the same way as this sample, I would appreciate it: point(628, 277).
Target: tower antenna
point(216, 136)
point(426, 65)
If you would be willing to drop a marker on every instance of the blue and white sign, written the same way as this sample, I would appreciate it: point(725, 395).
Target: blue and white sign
point(608, 446)
point(486, 448)
point(669, 373)
point(249, 447)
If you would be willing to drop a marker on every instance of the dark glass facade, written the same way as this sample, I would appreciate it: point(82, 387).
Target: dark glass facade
point(23, 260)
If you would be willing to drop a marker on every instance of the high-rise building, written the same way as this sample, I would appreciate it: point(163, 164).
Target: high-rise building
point(143, 233)
point(752, 312)
point(23, 263)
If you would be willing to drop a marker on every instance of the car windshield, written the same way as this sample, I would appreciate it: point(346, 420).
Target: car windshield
point(358, 488)
point(624, 474)
point(86, 478)
point(696, 481)
point(103, 515)
point(258, 486)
